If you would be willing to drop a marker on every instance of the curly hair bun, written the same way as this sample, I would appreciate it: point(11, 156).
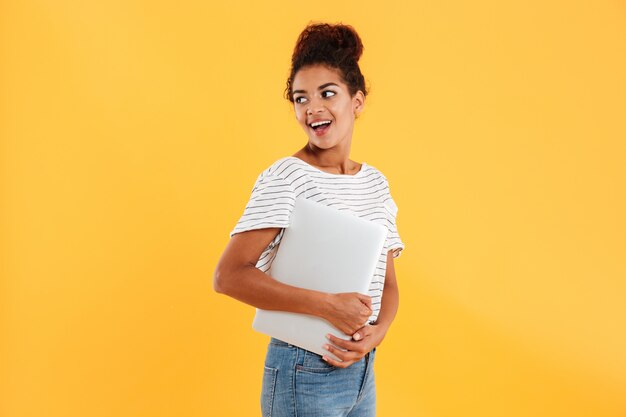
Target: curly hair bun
point(323, 41)
point(335, 45)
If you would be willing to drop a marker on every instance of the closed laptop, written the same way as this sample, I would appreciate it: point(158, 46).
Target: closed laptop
point(323, 249)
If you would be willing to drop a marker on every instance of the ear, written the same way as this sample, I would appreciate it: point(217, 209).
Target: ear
point(358, 101)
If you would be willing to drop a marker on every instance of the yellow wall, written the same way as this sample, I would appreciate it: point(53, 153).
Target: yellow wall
point(132, 133)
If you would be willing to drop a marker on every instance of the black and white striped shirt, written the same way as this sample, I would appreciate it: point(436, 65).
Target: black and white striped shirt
point(365, 194)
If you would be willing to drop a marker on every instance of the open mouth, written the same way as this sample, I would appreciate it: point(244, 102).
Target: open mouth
point(320, 127)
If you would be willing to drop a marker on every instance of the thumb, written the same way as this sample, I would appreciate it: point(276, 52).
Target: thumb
point(362, 333)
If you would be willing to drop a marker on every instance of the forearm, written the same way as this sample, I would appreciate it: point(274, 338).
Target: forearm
point(368, 337)
point(389, 305)
point(256, 288)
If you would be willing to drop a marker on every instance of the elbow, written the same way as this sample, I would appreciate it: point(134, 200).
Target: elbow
point(220, 282)
point(227, 278)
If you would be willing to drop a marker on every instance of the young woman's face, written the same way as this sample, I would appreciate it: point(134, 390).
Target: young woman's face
point(320, 95)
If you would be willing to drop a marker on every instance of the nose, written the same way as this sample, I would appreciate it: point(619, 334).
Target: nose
point(315, 106)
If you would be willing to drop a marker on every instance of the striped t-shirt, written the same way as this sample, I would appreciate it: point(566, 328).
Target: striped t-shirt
point(365, 194)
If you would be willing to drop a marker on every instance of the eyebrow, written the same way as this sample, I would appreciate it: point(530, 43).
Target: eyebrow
point(321, 87)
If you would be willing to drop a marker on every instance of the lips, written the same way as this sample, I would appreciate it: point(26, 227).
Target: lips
point(319, 122)
point(320, 129)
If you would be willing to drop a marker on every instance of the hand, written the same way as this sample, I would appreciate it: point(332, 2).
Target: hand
point(348, 311)
point(365, 339)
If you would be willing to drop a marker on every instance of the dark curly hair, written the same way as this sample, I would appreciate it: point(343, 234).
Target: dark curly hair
point(337, 46)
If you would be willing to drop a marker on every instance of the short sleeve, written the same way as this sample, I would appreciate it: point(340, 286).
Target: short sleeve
point(393, 242)
point(270, 205)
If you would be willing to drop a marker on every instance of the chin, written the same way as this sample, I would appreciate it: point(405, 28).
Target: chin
point(322, 144)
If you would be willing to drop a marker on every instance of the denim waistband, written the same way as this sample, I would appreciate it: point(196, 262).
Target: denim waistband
point(279, 342)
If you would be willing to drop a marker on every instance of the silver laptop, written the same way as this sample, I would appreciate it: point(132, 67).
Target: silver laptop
point(323, 249)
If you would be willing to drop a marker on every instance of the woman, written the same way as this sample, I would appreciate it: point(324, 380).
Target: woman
point(328, 93)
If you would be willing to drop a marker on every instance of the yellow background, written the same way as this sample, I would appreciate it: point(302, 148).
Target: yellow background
point(132, 133)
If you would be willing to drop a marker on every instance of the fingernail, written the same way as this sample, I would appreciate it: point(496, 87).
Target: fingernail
point(328, 336)
point(326, 347)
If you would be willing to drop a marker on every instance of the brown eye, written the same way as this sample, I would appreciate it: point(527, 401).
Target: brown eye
point(296, 100)
point(328, 91)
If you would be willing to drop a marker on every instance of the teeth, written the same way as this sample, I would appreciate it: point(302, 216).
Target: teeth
point(315, 124)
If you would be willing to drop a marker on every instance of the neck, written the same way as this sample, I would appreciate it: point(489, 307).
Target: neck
point(335, 159)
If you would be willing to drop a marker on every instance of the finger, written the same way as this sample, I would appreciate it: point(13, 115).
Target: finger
point(343, 355)
point(336, 363)
point(362, 333)
point(366, 311)
point(366, 299)
point(342, 343)
point(346, 330)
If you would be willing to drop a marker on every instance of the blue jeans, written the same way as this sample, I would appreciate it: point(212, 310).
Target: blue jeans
point(300, 383)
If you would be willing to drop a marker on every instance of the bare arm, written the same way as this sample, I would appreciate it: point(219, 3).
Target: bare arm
point(391, 297)
point(236, 275)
